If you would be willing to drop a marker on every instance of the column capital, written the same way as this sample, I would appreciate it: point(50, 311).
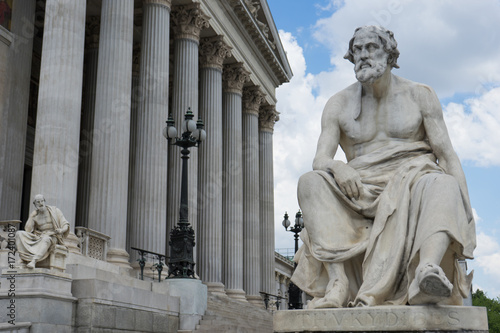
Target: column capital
point(252, 98)
point(188, 21)
point(213, 51)
point(268, 116)
point(234, 78)
point(167, 3)
point(92, 27)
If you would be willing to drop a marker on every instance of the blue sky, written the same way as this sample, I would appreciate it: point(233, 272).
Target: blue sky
point(453, 46)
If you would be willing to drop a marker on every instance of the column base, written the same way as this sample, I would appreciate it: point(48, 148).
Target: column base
point(118, 257)
point(255, 300)
point(216, 288)
point(237, 294)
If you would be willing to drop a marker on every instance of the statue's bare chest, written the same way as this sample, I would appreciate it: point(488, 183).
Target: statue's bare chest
point(44, 222)
point(390, 118)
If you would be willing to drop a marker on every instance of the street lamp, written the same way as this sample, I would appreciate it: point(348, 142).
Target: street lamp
point(294, 293)
point(181, 263)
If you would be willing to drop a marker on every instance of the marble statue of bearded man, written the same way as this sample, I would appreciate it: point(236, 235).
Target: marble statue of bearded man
point(389, 226)
point(46, 227)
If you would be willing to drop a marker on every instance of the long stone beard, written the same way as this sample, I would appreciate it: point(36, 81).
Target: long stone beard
point(370, 74)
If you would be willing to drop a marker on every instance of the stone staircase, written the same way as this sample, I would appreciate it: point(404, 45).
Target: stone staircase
point(226, 315)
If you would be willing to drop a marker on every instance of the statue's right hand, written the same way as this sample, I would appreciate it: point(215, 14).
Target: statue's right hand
point(347, 179)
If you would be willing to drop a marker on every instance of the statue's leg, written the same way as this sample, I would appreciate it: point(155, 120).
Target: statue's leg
point(42, 249)
point(431, 284)
point(441, 217)
point(337, 289)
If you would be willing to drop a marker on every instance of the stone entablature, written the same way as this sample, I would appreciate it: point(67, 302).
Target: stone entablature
point(259, 32)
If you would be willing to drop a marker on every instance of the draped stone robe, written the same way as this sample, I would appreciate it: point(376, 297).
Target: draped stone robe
point(406, 198)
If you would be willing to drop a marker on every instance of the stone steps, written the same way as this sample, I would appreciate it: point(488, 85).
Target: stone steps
point(226, 315)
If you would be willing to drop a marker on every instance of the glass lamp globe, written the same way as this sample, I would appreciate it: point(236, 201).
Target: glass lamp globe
point(286, 221)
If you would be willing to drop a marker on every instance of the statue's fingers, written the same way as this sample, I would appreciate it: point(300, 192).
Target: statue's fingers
point(343, 189)
point(359, 188)
point(349, 191)
point(355, 191)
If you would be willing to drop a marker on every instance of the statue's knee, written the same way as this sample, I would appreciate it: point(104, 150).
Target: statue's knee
point(447, 182)
point(307, 184)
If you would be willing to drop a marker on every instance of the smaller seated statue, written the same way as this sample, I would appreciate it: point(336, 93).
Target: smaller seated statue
point(46, 227)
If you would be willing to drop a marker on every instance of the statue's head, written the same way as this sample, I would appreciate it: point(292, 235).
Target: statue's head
point(39, 202)
point(372, 50)
point(386, 39)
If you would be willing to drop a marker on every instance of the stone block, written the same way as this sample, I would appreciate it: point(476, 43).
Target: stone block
point(193, 300)
point(56, 260)
point(103, 316)
point(143, 321)
point(159, 322)
point(42, 297)
point(384, 319)
point(125, 319)
point(83, 314)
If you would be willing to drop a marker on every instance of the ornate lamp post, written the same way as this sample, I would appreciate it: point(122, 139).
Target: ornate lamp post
point(294, 293)
point(181, 263)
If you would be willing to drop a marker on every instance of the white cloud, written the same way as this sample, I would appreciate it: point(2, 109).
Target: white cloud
point(487, 257)
point(452, 46)
point(474, 127)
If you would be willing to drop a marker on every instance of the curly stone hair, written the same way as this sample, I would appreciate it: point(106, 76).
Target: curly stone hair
point(386, 38)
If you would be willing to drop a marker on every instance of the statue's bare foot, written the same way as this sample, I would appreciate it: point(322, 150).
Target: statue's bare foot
point(335, 297)
point(31, 264)
point(430, 286)
point(362, 301)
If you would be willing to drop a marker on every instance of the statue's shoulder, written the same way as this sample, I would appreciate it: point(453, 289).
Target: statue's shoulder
point(342, 99)
point(417, 89)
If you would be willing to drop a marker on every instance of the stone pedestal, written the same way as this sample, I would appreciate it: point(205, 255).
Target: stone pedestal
point(384, 319)
point(192, 301)
point(38, 296)
point(56, 260)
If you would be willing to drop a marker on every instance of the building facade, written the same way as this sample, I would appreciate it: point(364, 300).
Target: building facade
point(85, 89)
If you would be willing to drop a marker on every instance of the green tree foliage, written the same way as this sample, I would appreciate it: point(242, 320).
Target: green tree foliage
point(479, 298)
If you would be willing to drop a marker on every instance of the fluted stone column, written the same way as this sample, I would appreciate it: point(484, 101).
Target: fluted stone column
point(252, 98)
point(55, 158)
point(14, 111)
point(110, 152)
point(88, 113)
point(134, 108)
point(213, 51)
point(149, 178)
point(234, 77)
point(187, 22)
point(267, 118)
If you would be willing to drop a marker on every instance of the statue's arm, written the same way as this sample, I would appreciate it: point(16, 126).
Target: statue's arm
point(63, 223)
point(440, 142)
point(328, 139)
point(346, 177)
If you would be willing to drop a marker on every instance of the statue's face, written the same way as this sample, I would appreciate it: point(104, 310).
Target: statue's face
point(370, 58)
point(39, 204)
